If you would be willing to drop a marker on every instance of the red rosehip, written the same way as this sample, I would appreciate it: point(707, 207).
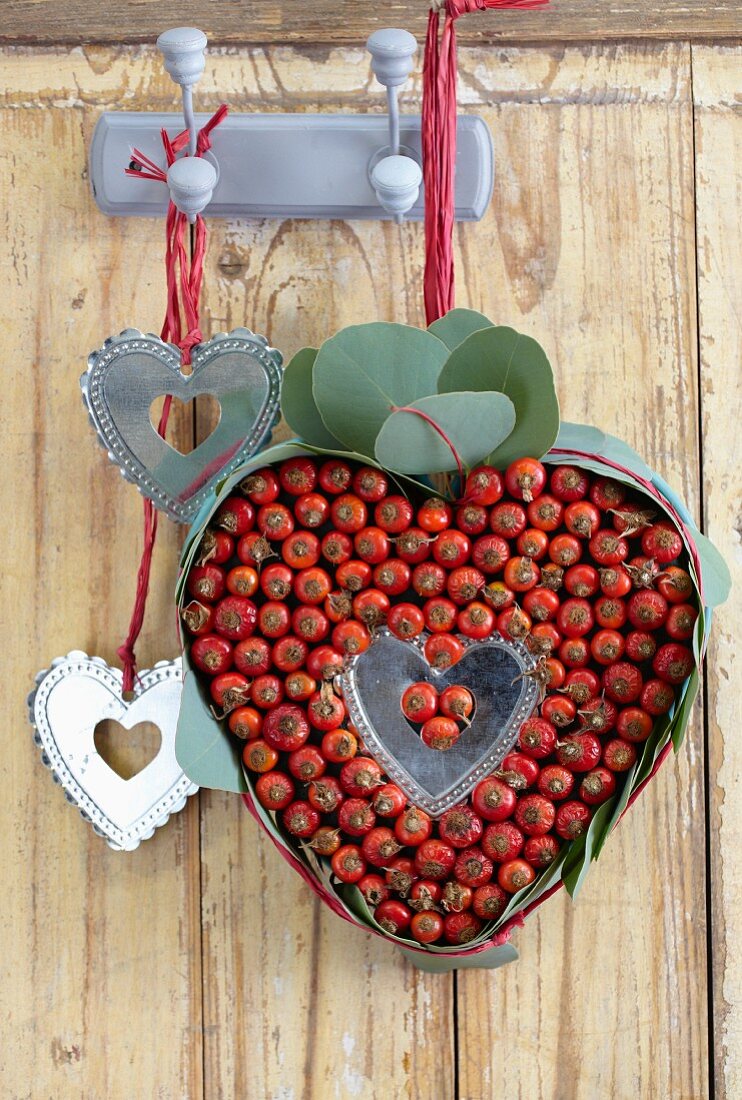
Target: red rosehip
point(572, 819)
point(619, 755)
point(568, 483)
point(212, 654)
point(540, 851)
point(460, 826)
point(555, 782)
point(673, 663)
point(440, 733)
point(361, 776)
point(435, 859)
point(502, 841)
point(235, 515)
point(622, 682)
point(514, 875)
point(493, 799)
point(489, 901)
point(393, 916)
point(484, 485)
point(348, 864)
point(285, 727)
point(420, 702)
point(427, 926)
point(580, 752)
point(370, 484)
point(300, 819)
point(413, 827)
point(274, 791)
point(537, 737)
point(461, 928)
point(356, 817)
point(206, 583)
point(472, 867)
point(662, 543)
point(525, 479)
point(534, 814)
point(379, 846)
point(235, 618)
point(335, 476)
point(597, 786)
point(252, 657)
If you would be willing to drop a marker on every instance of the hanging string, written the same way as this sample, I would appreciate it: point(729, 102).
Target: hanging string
point(439, 145)
point(184, 278)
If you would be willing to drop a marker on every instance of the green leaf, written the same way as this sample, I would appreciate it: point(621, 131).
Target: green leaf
point(579, 437)
point(683, 712)
point(715, 574)
point(499, 358)
point(454, 327)
point(435, 963)
point(365, 370)
point(203, 749)
point(475, 423)
point(297, 401)
point(577, 864)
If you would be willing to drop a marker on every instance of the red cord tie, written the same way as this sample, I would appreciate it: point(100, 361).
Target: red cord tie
point(439, 146)
point(181, 327)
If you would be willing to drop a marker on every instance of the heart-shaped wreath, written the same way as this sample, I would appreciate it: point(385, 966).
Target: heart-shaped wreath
point(435, 511)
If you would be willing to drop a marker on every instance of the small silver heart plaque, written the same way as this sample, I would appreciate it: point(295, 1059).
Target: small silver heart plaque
point(70, 699)
point(496, 672)
point(132, 370)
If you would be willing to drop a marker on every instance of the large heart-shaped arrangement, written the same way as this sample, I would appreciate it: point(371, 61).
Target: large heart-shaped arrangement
point(329, 600)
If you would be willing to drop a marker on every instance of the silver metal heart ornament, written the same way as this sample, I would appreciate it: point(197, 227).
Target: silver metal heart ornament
point(68, 702)
point(495, 671)
point(132, 370)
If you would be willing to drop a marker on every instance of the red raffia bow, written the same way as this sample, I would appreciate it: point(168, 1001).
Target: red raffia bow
point(181, 328)
point(439, 145)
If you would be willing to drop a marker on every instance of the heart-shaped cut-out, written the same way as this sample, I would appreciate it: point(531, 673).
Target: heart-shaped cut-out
point(132, 370)
point(127, 751)
point(493, 670)
point(70, 700)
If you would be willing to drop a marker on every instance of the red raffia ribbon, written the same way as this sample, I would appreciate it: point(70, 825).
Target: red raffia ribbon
point(180, 328)
point(439, 145)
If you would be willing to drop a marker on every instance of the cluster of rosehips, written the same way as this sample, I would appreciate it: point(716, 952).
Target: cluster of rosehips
point(305, 562)
point(441, 716)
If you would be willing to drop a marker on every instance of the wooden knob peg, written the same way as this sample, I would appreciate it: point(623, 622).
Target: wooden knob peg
point(396, 181)
point(191, 181)
point(183, 50)
point(392, 55)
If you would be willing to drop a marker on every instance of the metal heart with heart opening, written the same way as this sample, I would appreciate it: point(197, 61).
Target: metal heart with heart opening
point(130, 371)
point(69, 701)
point(493, 670)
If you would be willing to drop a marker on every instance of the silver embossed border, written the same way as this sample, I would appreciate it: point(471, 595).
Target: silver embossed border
point(46, 680)
point(525, 706)
point(91, 384)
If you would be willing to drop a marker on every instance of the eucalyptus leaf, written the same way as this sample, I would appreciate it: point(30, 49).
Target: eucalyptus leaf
point(683, 713)
point(205, 752)
point(491, 959)
point(499, 358)
point(580, 437)
point(297, 401)
point(717, 580)
point(576, 868)
point(474, 423)
point(364, 371)
point(454, 327)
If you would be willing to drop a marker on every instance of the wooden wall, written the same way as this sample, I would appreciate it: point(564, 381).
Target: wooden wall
point(200, 966)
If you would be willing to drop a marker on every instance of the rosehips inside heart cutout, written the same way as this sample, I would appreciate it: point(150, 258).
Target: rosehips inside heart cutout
point(315, 582)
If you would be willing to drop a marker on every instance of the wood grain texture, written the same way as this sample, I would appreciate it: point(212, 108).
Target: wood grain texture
point(322, 21)
point(717, 88)
point(590, 246)
point(587, 187)
point(99, 947)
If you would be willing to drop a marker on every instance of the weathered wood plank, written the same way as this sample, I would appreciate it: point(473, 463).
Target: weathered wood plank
point(292, 21)
point(100, 969)
point(590, 248)
point(716, 89)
